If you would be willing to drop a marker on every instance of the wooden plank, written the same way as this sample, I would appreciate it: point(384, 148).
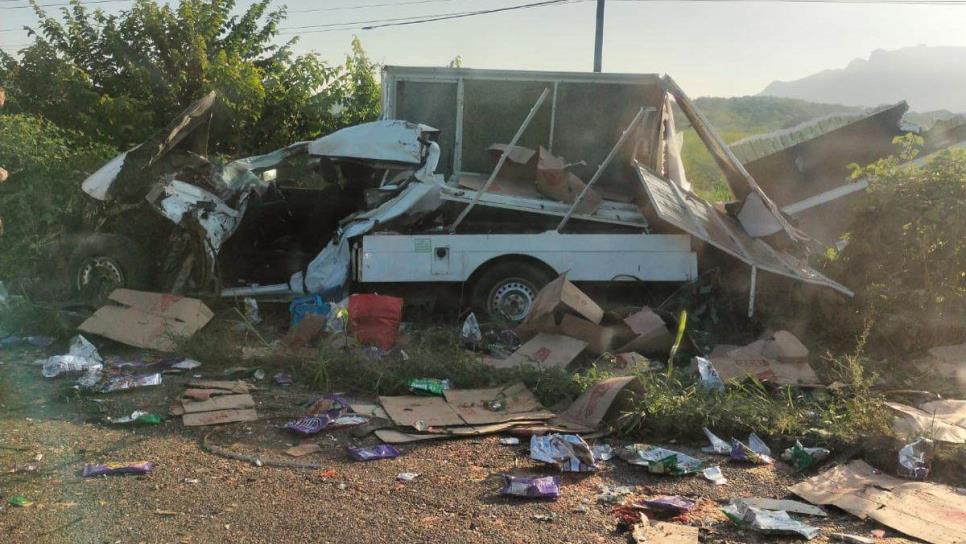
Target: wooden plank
point(225, 402)
point(216, 418)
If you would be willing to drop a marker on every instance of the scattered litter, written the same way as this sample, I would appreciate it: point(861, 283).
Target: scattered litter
point(190, 480)
point(780, 359)
point(141, 467)
point(802, 458)
point(282, 378)
point(628, 515)
point(471, 334)
point(927, 511)
point(302, 307)
point(671, 504)
point(251, 311)
point(911, 423)
point(709, 376)
point(407, 476)
point(546, 487)
point(603, 452)
point(430, 386)
point(758, 445)
point(29, 467)
point(148, 320)
point(81, 357)
point(258, 375)
point(543, 351)
point(372, 453)
point(568, 452)
point(138, 416)
point(660, 460)
point(854, 539)
point(20, 501)
point(718, 445)
point(742, 452)
point(303, 449)
point(374, 319)
point(914, 459)
point(795, 507)
point(186, 364)
point(714, 475)
point(121, 383)
point(768, 521)
point(510, 441)
point(330, 411)
point(610, 494)
point(549, 517)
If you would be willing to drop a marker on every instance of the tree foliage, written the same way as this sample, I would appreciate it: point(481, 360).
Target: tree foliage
point(115, 78)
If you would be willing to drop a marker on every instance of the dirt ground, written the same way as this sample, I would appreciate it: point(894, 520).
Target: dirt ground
point(195, 496)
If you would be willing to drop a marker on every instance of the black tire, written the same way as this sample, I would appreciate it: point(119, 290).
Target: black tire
point(505, 290)
point(103, 262)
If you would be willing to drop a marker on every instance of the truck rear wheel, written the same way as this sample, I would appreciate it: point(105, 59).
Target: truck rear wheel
point(102, 263)
point(506, 290)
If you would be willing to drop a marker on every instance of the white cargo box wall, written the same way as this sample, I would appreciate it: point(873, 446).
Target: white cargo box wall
point(585, 257)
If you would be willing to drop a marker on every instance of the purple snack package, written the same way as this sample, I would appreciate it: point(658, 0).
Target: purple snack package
point(670, 503)
point(372, 453)
point(140, 467)
point(741, 452)
point(282, 378)
point(546, 487)
point(309, 425)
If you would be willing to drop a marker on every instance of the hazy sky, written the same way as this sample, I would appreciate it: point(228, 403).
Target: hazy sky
point(711, 48)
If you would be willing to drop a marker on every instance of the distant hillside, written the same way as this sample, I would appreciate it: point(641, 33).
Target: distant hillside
point(928, 78)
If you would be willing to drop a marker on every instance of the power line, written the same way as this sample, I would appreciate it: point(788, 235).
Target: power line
point(64, 4)
point(345, 8)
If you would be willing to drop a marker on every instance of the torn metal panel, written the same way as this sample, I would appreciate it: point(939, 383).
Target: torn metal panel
point(699, 218)
point(394, 142)
point(215, 217)
point(98, 183)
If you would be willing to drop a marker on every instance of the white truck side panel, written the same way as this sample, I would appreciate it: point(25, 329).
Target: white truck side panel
point(585, 257)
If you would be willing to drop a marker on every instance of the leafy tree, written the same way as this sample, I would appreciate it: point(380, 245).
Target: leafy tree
point(116, 78)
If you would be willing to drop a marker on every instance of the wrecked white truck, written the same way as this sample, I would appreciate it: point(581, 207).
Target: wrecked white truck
point(479, 193)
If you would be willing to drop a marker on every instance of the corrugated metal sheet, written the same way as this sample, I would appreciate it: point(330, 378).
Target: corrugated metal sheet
point(699, 218)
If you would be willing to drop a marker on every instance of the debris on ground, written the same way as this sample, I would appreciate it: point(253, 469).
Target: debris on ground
point(714, 475)
point(545, 487)
point(374, 319)
point(406, 476)
point(429, 386)
point(803, 458)
point(659, 460)
point(771, 522)
point(19, 501)
point(148, 320)
point(82, 356)
point(940, 423)
point(718, 445)
point(138, 416)
point(795, 507)
point(927, 511)
point(374, 453)
point(328, 412)
point(211, 402)
point(780, 358)
point(610, 494)
point(914, 459)
point(112, 469)
point(647, 532)
point(671, 505)
point(756, 451)
point(567, 452)
point(708, 375)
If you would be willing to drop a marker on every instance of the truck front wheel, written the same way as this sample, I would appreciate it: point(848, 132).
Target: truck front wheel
point(103, 262)
point(506, 290)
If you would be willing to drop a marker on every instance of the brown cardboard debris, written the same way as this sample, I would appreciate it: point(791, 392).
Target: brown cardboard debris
point(606, 399)
point(368, 409)
point(664, 532)
point(303, 449)
point(785, 364)
point(408, 411)
point(949, 411)
point(945, 361)
point(215, 418)
point(554, 181)
point(224, 402)
point(176, 410)
point(203, 394)
point(792, 507)
point(600, 338)
point(931, 512)
point(148, 320)
point(234, 386)
point(307, 331)
point(516, 402)
point(652, 335)
point(521, 163)
point(393, 436)
point(544, 351)
point(912, 422)
point(560, 294)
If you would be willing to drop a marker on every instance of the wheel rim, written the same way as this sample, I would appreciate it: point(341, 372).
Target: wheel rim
point(99, 276)
point(512, 299)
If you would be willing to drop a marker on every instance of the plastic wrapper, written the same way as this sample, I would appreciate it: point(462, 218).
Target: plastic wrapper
point(139, 416)
point(719, 446)
point(568, 452)
point(612, 493)
point(714, 475)
point(660, 460)
point(90, 379)
point(81, 357)
point(742, 452)
point(709, 376)
point(373, 453)
point(429, 386)
point(141, 467)
point(603, 452)
point(772, 522)
point(121, 383)
point(914, 459)
point(251, 311)
point(758, 445)
point(282, 378)
point(802, 458)
point(330, 411)
point(547, 487)
point(671, 504)
point(186, 364)
point(471, 334)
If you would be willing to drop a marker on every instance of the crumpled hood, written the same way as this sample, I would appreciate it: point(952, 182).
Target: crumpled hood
point(390, 141)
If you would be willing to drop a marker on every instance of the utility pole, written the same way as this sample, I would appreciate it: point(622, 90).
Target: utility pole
point(599, 37)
